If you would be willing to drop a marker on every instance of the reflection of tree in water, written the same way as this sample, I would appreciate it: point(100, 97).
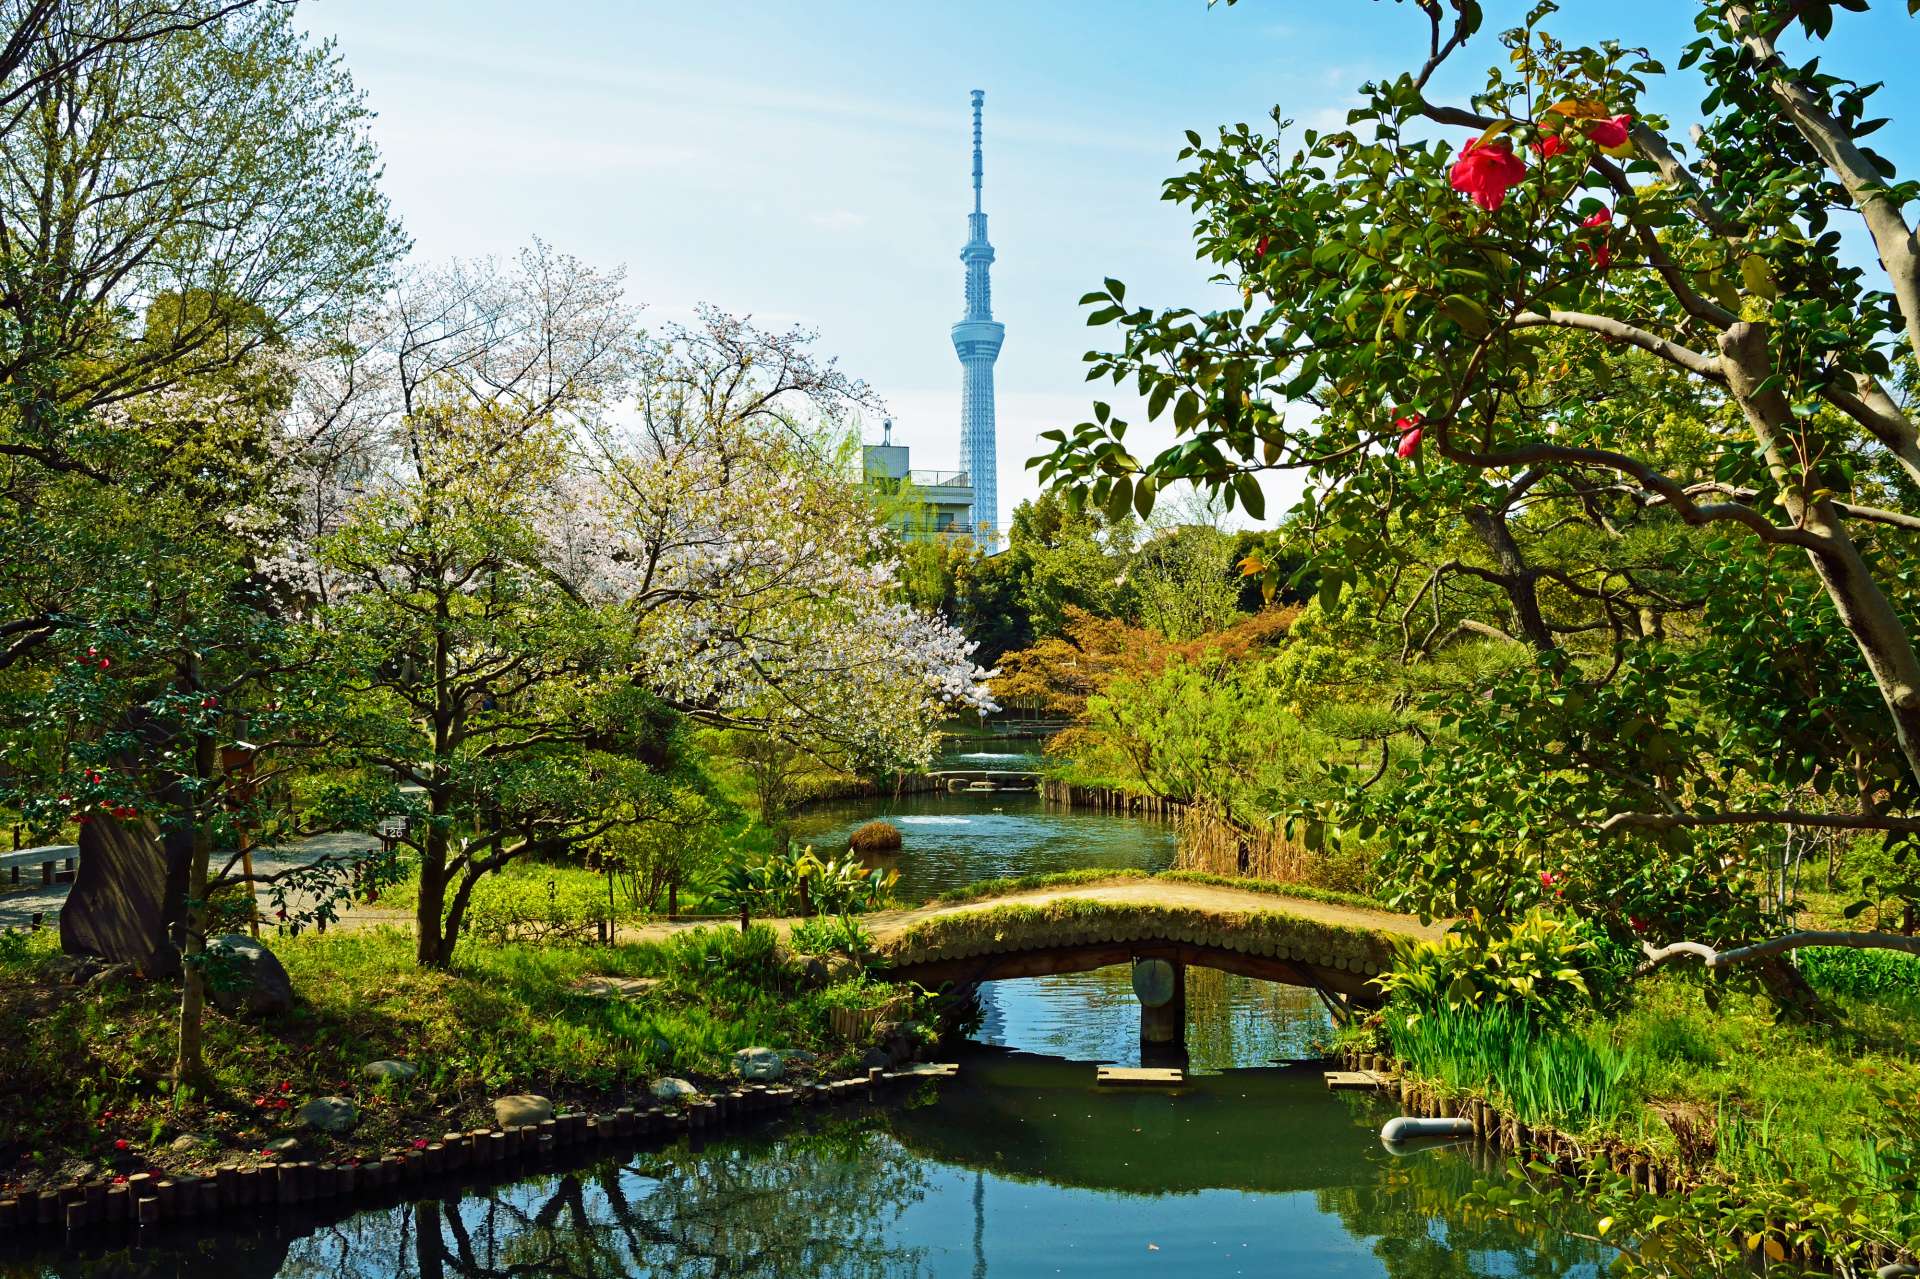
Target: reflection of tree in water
point(811, 1203)
point(1410, 1215)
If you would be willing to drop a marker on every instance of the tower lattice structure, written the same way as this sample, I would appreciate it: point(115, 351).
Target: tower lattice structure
point(976, 340)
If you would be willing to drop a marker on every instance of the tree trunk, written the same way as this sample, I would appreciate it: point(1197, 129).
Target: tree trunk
point(1519, 582)
point(1863, 607)
point(189, 1063)
point(432, 902)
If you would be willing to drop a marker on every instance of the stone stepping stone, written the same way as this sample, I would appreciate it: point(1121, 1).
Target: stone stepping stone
point(615, 987)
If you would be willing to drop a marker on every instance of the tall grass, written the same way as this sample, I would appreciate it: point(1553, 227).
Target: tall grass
point(1558, 1077)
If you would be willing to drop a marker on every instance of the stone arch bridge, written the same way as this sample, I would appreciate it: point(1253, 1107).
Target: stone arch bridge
point(1335, 949)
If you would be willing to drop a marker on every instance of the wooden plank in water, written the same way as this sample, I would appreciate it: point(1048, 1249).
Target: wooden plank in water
point(1337, 1079)
point(1139, 1076)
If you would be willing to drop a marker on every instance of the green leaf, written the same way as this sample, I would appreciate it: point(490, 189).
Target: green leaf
point(1250, 495)
point(1119, 498)
point(1467, 313)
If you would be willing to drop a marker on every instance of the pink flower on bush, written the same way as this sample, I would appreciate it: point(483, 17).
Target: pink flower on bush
point(1486, 171)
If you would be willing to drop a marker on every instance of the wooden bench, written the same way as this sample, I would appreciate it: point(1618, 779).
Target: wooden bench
point(56, 863)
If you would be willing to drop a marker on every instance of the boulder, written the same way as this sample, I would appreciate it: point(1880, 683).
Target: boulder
point(758, 1065)
point(398, 1071)
point(329, 1114)
point(671, 1089)
point(283, 1145)
point(244, 976)
point(521, 1110)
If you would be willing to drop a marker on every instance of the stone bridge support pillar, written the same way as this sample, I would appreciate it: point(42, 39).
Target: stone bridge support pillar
point(1161, 985)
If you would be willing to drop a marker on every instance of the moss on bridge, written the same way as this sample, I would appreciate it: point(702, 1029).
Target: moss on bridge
point(1074, 922)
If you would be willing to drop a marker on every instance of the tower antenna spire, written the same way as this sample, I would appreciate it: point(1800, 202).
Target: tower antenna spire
point(979, 97)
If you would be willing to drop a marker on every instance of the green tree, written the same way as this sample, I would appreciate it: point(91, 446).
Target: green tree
point(1465, 326)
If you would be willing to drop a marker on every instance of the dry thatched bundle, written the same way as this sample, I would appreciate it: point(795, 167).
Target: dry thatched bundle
point(876, 837)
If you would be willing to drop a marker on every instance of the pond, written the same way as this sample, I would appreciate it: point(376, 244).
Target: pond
point(954, 840)
point(1019, 1167)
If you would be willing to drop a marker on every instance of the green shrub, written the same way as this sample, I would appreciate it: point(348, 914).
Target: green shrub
point(1539, 967)
point(802, 883)
point(831, 935)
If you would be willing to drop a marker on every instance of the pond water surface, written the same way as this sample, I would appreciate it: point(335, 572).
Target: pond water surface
point(1018, 1168)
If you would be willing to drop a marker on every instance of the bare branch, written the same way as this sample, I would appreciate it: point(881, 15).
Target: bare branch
point(1715, 959)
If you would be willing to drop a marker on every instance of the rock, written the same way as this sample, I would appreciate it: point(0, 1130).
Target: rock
point(520, 1110)
point(758, 1065)
point(671, 1089)
point(244, 976)
point(128, 893)
point(875, 1058)
point(792, 1057)
point(283, 1145)
point(184, 1143)
point(108, 975)
point(75, 970)
point(329, 1114)
point(399, 1071)
point(616, 987)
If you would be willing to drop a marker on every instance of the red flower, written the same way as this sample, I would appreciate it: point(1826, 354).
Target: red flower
point(1485, 172)
point(1263, 246)
point(1410, 434)
point(119, 1180)
point(104, 663)
point(419, 1143)
point(285, 1086)
point(92, 651)
point(1550, 146)
point(1601, 253)
point(1603, 218)
point(1609, 134)
point(1636, 923)
point(1546, 879)
point(120, 1143)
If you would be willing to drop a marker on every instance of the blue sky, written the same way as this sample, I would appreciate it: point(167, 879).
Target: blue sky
point(808, 163)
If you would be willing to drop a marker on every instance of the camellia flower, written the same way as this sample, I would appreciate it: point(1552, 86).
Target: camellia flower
point(1487, 171)
point(1601, 253)
point(120, 1143)
point(1550, 146)
point(1410, 434)
point(419, 1143)
point(1603, 218)
point(1264, 241)
point(1610, 135)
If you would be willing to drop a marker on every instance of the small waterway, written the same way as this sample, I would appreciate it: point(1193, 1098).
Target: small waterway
point(1020, 1167)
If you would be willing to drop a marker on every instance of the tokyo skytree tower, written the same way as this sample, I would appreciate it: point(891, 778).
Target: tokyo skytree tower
point(976, 340)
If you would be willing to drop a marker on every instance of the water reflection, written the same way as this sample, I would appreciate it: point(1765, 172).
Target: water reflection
point(954, 840)
point(1094, 1017)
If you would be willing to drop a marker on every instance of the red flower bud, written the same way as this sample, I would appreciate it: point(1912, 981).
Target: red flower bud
point(1264, 241)
point(120, 1143)
point(104, 663)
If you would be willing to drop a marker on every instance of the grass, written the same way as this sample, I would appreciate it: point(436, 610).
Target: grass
point(1560, 1077)
point(1732, 1092)
point(87, 1068)
point(538, 901)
